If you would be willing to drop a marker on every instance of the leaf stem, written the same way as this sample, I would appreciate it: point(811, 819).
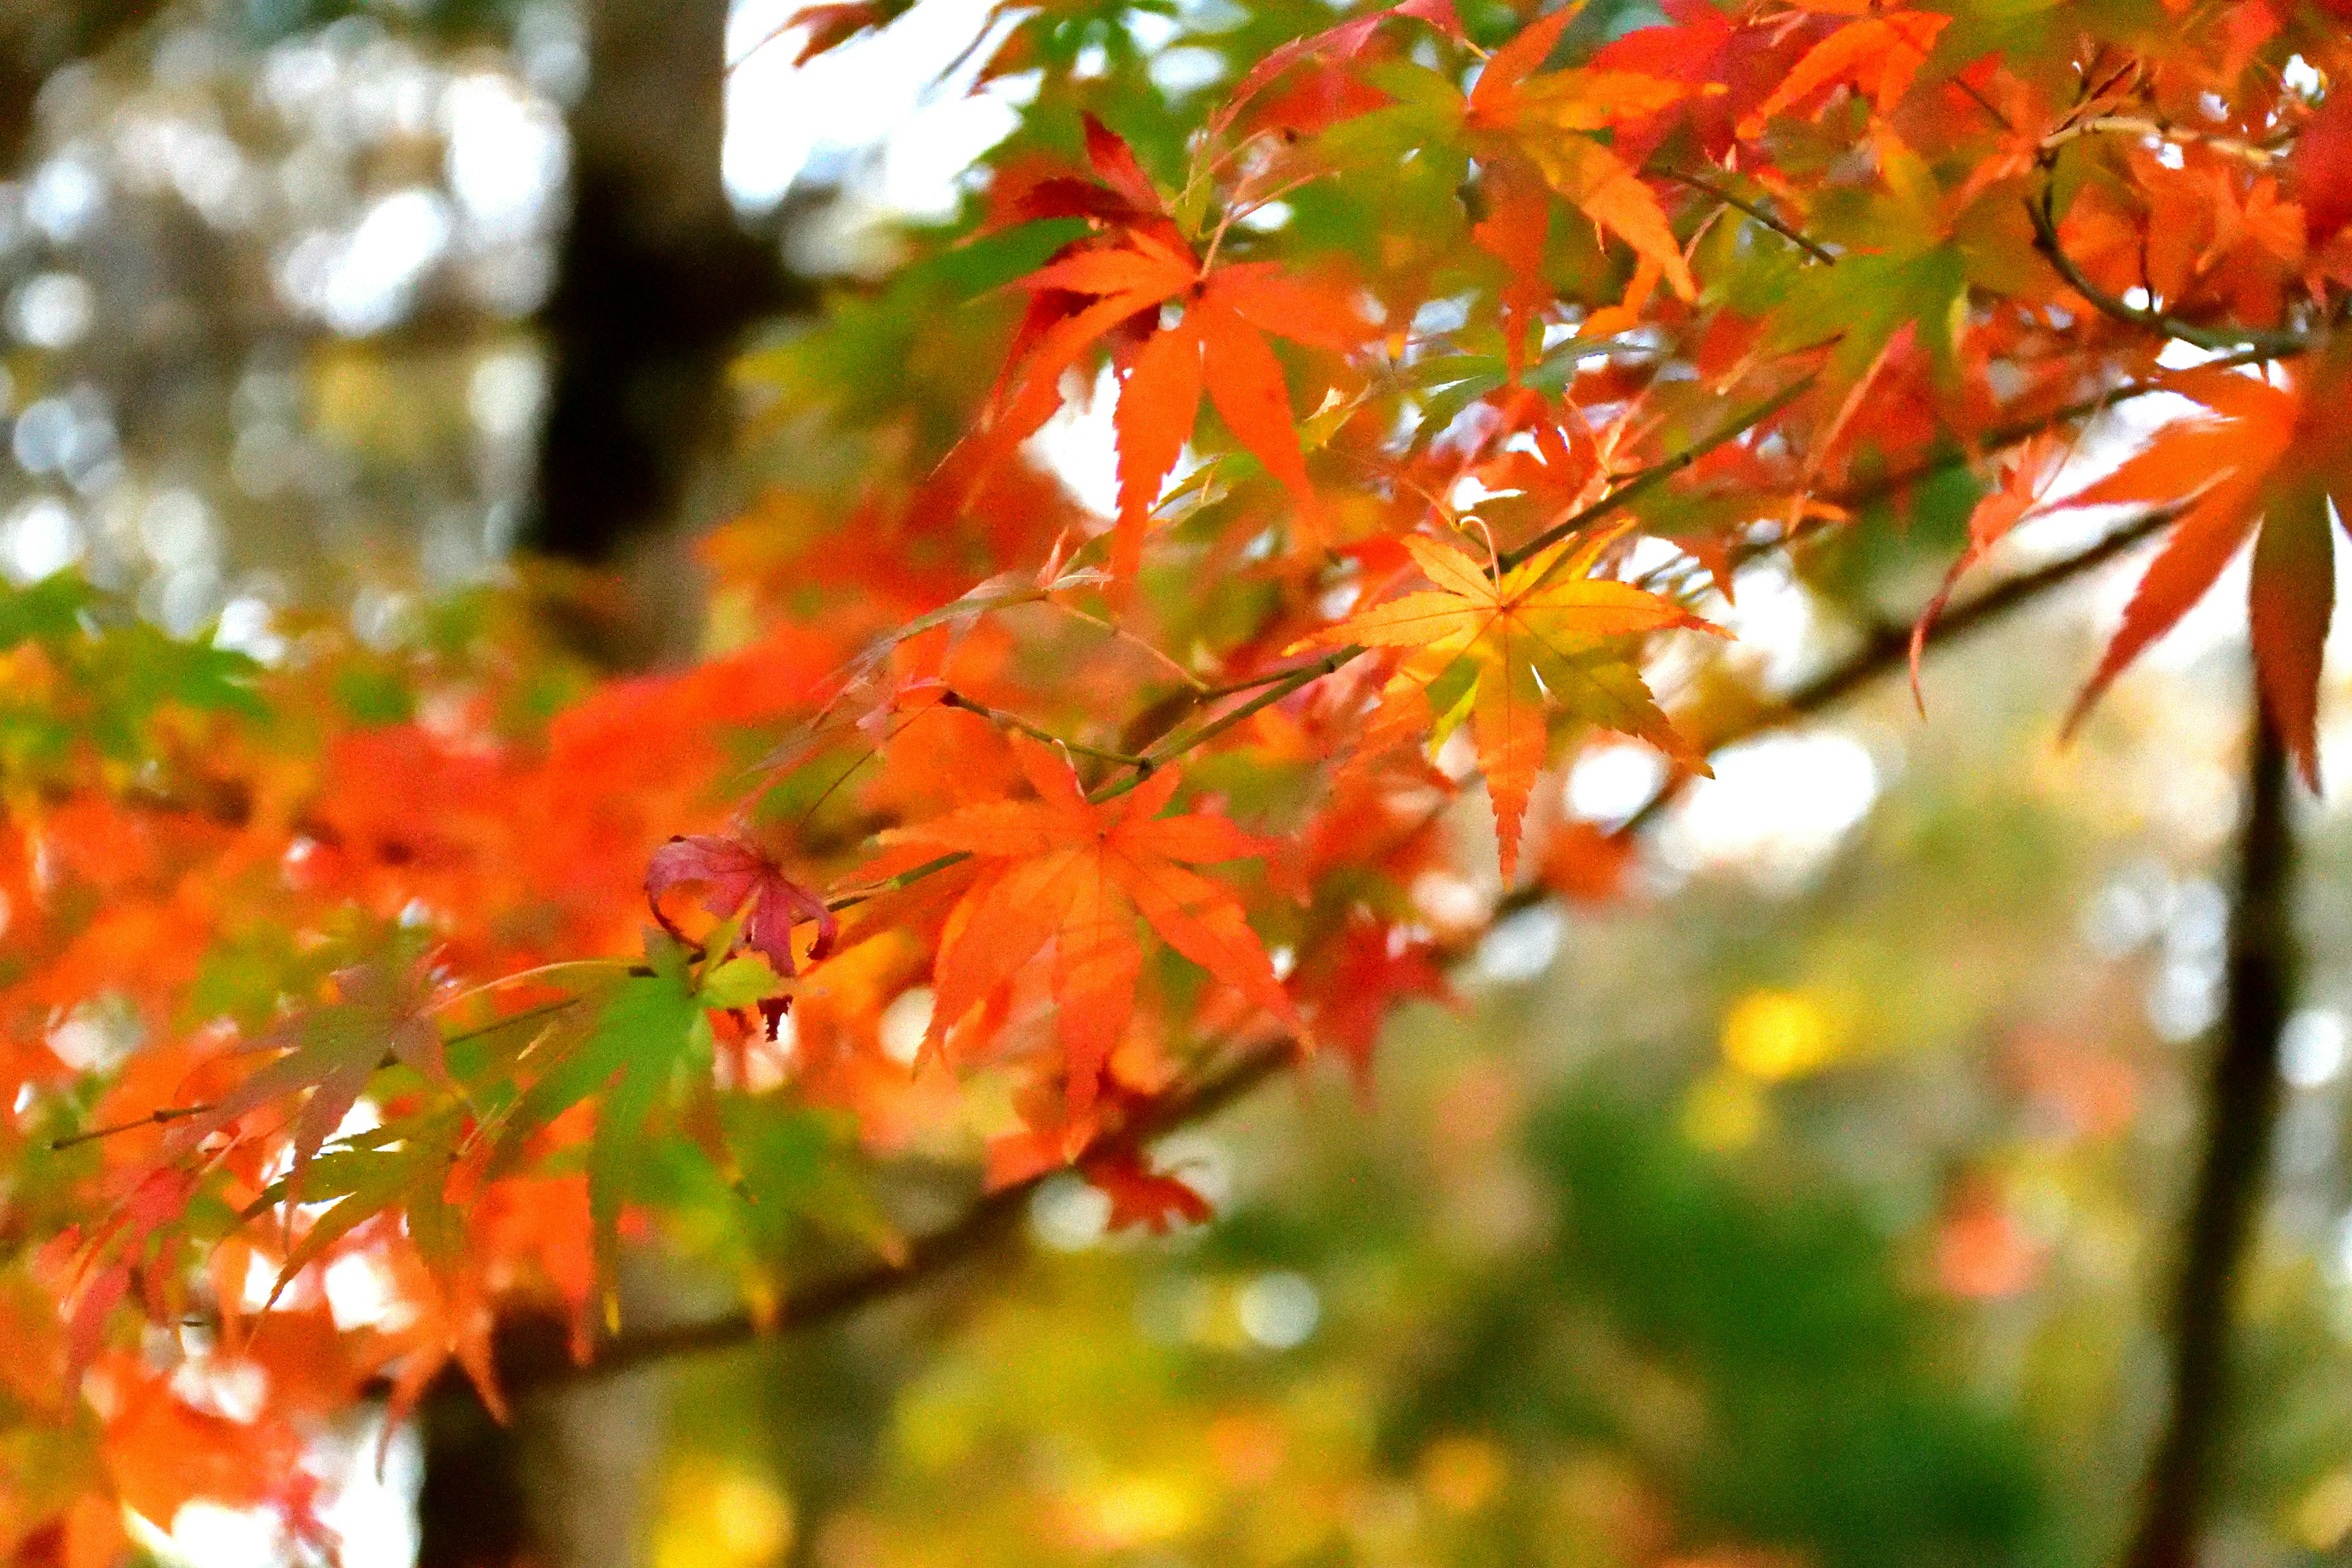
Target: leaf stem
point(536, 972)
point(1176, 745)
point(1014, 721)
point(1811, 248)
point(511, 1019)
point(159, 1117)
point(1121, 633)
point(1657, 474)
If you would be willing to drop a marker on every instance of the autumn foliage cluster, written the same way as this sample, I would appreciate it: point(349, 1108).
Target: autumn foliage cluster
point(1458, 357)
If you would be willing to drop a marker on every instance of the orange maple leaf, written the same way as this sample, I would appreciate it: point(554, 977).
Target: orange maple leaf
point(1545, 635)
point(1065, 871)
point(1217, 344)
point(1141, 1196)
point(2024, 481)
point(1879, 54)
point(1530, 124)
point(2263, 458)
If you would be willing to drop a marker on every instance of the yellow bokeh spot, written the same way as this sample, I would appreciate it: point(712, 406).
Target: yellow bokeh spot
point(716, 1515)
point(1777, 1035)
point(1137, 1511)
point(2324, 1517)
point(1725, 1110)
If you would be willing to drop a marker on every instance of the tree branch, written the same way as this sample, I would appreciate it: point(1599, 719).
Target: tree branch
point(2045, 240)
point(1890, 646)
point(1657, 474)
point(2000, 437)
point(529, 1350)
point(2242, 1109)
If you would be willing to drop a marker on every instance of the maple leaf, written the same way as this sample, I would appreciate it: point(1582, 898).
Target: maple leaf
point(401, 1166)
point(825, 28)
point(1064, 871)
point(1141, 1197)
point(1879, 54)
point(1584, 863)
point(738, 879)
point(1217, 344)
point(330, 1053)
point(2263, 458)
point(1343, 42)
point(644, 1058)
point(165, 1452)
point(2023, 479)
point(2320, 169)
point(1530, 491)
point(1697, 43)
point(110, 1257)
point(1356, 980)
point(1538, 119)
point(1542, 635)
point(1115, 289)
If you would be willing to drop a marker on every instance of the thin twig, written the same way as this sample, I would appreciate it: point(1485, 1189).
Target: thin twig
point(530, 1348)
point(1176, 745)
point(1895, 645)
point(2253, 153)
point(1121, 633)
point(1796, 237)
point(2000, 437)
point(1657, 474)
point(511, 1019)
point(1014, 721)
point(1890, 646)
point(159, 1117)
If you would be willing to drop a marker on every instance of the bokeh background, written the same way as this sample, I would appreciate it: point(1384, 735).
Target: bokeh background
point(1804, 1205)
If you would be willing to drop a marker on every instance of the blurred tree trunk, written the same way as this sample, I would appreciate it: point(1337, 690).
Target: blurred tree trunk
point(656, 281)
point(2222, 1227)
point(37, 38)
point(654, 284)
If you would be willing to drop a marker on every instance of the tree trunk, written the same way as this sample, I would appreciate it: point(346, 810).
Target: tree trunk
point(37, 38)
point(656, 282)
point(2242, 1109)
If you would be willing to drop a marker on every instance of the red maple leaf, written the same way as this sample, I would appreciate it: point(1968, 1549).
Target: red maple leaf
point(1141, 1197)
point(2266, 462)
point(738, 880)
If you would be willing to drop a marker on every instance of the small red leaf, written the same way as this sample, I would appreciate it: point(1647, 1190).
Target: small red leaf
point(733, 874)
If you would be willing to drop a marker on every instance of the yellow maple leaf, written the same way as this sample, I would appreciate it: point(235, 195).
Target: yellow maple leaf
point(1544, 637)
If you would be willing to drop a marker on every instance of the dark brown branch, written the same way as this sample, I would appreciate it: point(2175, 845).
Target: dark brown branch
point(2045, 240)
point(531, 1352)
point(2242, 1109)
point(1890, 647)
